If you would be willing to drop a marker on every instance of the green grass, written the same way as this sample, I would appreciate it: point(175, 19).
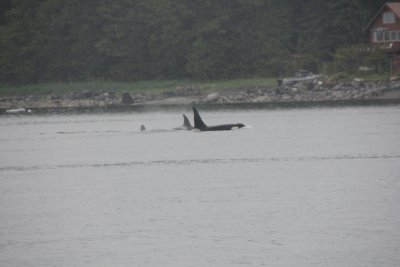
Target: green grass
point(237, 83)
point(58, 88)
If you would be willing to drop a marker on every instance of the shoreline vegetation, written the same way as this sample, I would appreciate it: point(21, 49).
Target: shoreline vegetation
point(63, 88)
point(186, 92)
point(118, 40)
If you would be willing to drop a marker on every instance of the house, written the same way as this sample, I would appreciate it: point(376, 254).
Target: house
point(384, 32)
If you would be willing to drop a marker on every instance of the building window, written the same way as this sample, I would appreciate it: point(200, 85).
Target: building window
point(388, 17)
point(393, 36)
point(386, 36)
point(378, 36)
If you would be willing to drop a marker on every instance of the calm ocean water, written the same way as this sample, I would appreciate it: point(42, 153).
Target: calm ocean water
point(297, 187)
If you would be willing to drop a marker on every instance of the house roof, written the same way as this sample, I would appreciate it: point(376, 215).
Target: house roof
point(393, 6)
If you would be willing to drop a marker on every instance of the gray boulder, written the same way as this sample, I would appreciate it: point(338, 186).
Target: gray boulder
point(126, 99)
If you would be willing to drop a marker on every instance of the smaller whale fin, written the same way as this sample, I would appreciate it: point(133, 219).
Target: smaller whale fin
point(198, 122)
point(142, 128)
point(186, 122)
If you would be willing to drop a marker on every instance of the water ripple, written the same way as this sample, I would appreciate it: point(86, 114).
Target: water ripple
point(196, 161)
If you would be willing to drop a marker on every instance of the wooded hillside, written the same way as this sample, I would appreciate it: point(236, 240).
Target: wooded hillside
point(60, 40)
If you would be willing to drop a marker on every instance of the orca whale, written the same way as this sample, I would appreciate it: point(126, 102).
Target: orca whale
point(186, 124)
point(199, 124)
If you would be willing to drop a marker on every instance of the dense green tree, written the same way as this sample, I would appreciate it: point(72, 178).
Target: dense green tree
point(67, 34)
point(273, 38)
point(122, 42)
point(213, 52)
point(59, 40)
point(169, 36)
point(5, 5)
point(18, 42)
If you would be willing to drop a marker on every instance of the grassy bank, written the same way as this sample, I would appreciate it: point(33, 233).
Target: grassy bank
point(58, 88)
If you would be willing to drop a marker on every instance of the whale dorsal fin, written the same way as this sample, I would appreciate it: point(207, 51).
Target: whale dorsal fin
point(186, 122)
point(198, 122)
point(142, 128)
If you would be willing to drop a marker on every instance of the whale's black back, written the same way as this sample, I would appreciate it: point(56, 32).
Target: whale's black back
point(199, 124)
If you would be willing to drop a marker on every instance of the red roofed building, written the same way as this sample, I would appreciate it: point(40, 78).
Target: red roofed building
point(384, 31)
point(384, 28)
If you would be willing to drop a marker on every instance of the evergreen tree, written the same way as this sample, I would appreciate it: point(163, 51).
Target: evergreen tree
point(59, 40)
point(18, 42)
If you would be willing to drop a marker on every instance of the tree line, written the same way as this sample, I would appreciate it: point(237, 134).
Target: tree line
point(125, 40)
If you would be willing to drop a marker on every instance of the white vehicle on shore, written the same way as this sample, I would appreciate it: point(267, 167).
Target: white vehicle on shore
point(304, 76)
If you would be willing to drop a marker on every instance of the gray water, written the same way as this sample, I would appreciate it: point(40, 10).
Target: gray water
point(297, 187)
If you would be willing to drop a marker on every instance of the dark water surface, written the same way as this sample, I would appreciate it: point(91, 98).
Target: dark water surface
point(297, 187)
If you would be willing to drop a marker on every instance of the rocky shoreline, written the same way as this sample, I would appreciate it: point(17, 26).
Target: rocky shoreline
point(300, 92)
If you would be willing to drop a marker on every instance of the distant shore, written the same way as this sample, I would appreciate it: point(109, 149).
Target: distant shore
point(191, 95)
